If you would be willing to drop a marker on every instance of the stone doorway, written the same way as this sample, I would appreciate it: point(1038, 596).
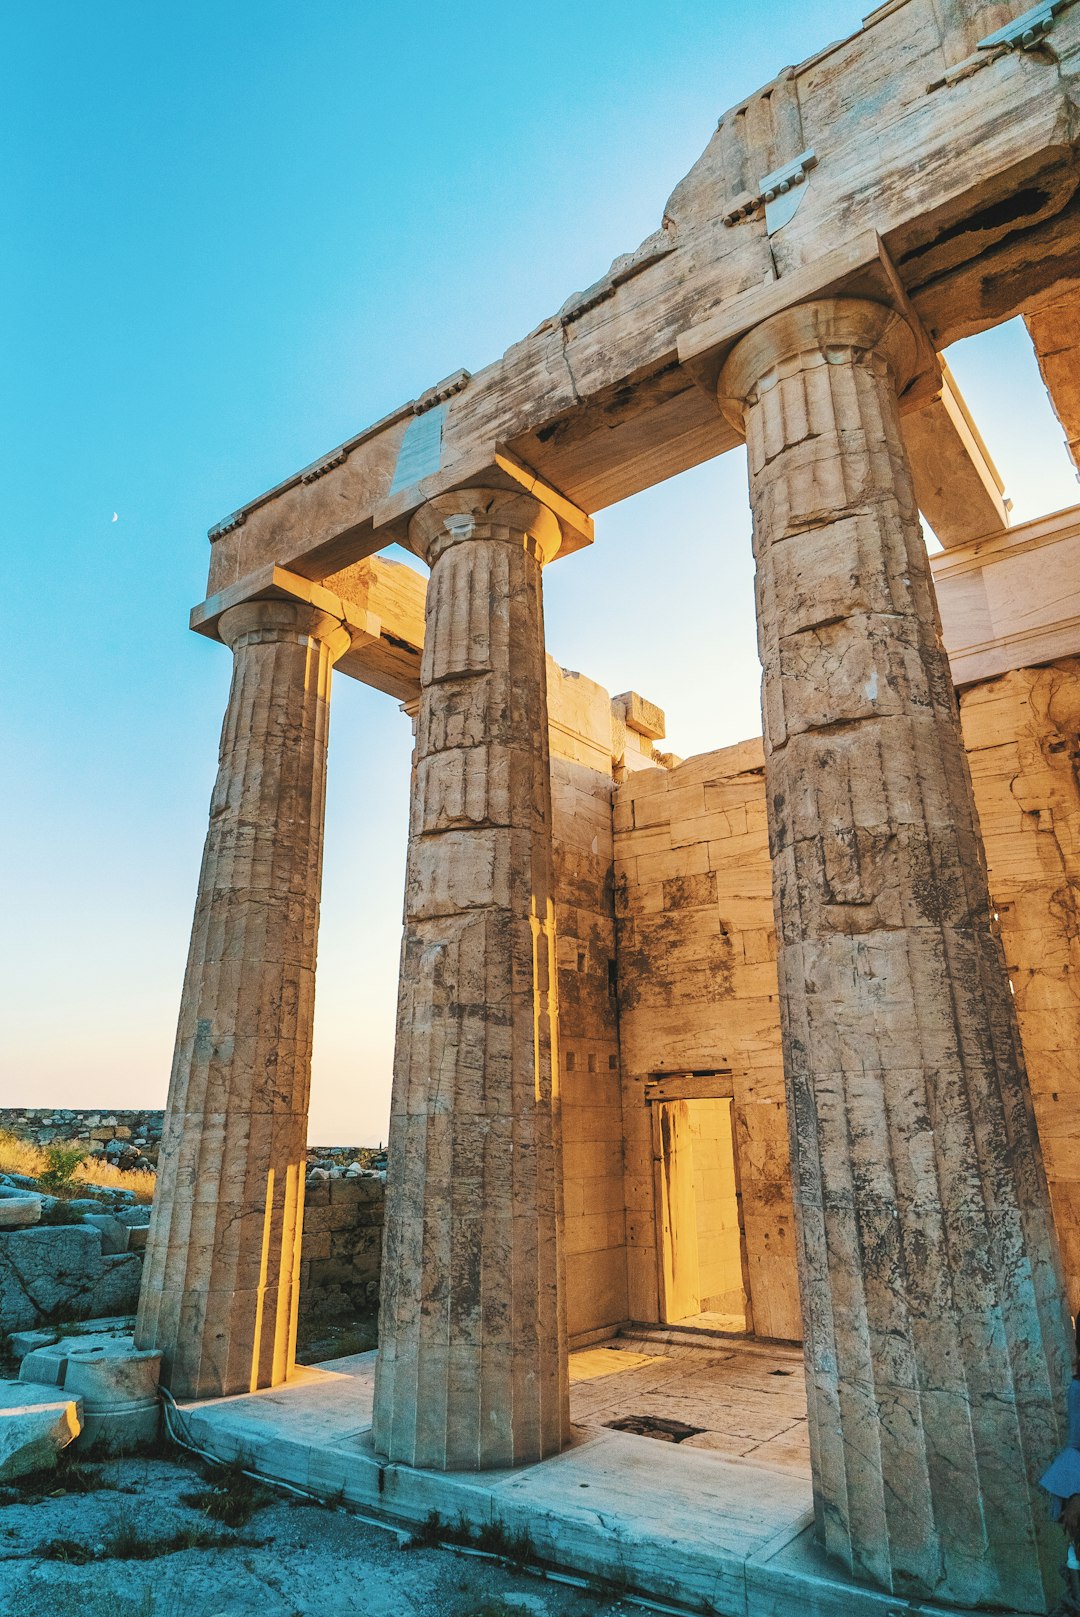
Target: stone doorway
point(703, 1278)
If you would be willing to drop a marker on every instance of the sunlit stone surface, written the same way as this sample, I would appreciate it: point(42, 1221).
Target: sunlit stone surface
point(923, 173)
point(472, 1361)
point(219, 1290)
point(932, 1301)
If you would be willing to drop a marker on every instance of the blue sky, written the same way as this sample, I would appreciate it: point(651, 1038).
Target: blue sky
point(236, 233)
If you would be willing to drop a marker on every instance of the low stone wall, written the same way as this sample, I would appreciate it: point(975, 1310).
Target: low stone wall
point(92, 1265)
point(341, 1255)
point(50, 1274)
point(43, 1125)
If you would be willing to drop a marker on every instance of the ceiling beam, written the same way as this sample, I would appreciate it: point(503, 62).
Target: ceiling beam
point(957, 485)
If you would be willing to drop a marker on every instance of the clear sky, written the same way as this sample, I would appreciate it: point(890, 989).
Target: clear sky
point(234, 235)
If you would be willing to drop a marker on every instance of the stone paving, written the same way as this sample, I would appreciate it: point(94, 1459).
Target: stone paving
point(721, 1521)
point(748, 1399)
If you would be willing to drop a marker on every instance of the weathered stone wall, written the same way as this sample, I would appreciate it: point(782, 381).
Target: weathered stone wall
point(697, 975)
point(1022, 734)
point(581, 785)
point(61, 1273)
point(74, 1271)
point(42, 1125)
point(341, 1249)
point(698, 995)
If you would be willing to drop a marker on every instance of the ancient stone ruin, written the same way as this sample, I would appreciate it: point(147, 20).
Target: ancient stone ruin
point(755, 1038)
point(77, 1255)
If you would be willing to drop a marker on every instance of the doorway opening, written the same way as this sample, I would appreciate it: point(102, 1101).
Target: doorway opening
point(703, 1277)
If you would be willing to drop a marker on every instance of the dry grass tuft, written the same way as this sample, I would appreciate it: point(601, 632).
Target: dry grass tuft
point(72, 1474)
point(231, 1497)
point(22, 1156)
point(19, 1156)
point(140, 1180)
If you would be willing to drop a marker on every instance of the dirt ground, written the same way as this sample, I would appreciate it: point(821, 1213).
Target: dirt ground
point(120, 1539)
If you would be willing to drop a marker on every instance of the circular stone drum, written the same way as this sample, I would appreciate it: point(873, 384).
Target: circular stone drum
point(119, 1393)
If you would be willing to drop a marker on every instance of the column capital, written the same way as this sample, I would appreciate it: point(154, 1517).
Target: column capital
point(255, 622)
point(825, 331)
point(484, 513)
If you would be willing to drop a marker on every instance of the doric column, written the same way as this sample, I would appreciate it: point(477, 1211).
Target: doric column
point(219, 1290)
point(472, 1332)
point(936, 1336)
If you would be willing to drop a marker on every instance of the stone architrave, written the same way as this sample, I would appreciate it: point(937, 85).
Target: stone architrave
point(472, 1369)
point(936, 1335)
point(219, 1289)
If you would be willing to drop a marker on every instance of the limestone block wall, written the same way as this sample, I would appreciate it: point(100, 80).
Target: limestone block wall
point(698, 995)
point(697, 979)
point(341, 1249)
point(581, 789)
point(1022, 734)
point(60, 1273)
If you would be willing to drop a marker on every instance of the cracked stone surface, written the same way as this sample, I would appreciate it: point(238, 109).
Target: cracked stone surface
point(307, 1561)
point(1055, 335)
point(220, 1279)
point(59, 1273)
point(932, 1297)
point(472, 1368)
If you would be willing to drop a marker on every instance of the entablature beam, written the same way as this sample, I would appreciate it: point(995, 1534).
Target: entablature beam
point(962, 158)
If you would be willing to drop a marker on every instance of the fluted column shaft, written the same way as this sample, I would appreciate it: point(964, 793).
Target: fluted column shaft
point(219, 1289)
point(936, 1335)
point(472, 1331)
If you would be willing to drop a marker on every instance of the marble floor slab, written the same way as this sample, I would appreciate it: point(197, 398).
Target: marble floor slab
point(720, 1522)
point(748, 1399)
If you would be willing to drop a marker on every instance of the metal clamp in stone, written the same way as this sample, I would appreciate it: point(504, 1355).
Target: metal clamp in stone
point(744, 206)
point(1025, 33)
point(1028, 30)
point(780, 190)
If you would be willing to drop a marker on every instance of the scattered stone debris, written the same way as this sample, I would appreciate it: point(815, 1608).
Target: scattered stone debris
point(349, 1161)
